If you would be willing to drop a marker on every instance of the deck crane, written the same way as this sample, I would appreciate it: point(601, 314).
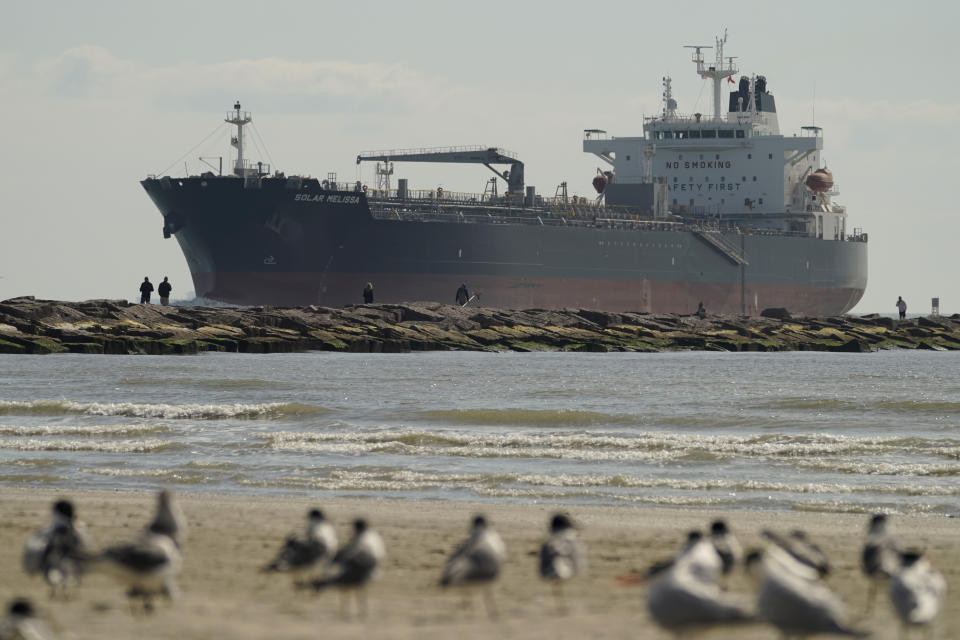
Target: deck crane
point(486, 156)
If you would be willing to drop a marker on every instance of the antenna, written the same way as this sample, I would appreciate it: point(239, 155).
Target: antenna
point(814, 107)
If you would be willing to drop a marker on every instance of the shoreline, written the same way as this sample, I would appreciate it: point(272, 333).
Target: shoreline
point(232, 536)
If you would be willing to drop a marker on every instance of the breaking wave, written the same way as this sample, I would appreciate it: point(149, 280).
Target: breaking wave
point(268, 410)
point(527, 417)
point(82, 430)
point(400, 479)
point(176, 476)
point(649, 446)
point(112, 446)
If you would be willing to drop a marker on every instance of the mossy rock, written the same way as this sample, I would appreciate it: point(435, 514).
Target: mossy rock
point(210, 343)
point(529, 346)
point(586, 347)
point(181, 347)
point(11, 347)
point(84, 347)
point(39, 345)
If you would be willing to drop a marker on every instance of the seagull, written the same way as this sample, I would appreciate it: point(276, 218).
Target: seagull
point(880, 558)
point(792, 597)
point(149, 565)
point(684, 594)
point(60, 551)
point(562, 556)
point(798, 546)
point(917, 590)
point(477, 561)
point(169, 519)
point(300, 555)
point(355, 564)
point(21, 623)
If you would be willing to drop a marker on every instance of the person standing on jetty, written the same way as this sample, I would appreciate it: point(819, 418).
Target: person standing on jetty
point(902, 307)
point(701, 311)
point(368, 293)
point(463, 296)
point(164, 289)
point(146, 288)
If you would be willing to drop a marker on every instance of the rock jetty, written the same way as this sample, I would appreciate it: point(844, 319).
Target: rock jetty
point(35, 326)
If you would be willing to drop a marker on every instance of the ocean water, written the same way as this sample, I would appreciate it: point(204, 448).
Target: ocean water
point(760, 431)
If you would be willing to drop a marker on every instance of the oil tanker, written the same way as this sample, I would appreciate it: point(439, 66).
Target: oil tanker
point(720, 209)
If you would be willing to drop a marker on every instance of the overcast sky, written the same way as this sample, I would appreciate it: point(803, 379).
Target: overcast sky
point(94, 96)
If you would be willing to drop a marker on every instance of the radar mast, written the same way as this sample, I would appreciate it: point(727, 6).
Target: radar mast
point(238, 118)
point(716, 71)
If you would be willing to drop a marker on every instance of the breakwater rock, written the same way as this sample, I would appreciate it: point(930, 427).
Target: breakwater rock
point(28, 325)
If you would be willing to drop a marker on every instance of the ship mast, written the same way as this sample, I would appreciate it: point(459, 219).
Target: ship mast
point(238, 118)
point(716, 71)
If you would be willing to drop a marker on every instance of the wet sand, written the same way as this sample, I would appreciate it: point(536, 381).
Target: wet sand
point(231, 537)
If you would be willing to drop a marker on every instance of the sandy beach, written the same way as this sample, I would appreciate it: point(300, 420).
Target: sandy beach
point(231, 537)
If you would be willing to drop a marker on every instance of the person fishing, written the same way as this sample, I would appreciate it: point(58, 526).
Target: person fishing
point(463, 296)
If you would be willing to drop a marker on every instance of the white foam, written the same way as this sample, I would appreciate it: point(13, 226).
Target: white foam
point(113, 446)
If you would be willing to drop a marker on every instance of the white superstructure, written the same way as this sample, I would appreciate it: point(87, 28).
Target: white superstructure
point(733, 165)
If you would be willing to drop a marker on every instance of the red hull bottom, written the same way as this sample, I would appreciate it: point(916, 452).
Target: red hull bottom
point(510, 292)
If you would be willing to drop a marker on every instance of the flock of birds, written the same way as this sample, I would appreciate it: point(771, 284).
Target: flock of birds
point(685, 593)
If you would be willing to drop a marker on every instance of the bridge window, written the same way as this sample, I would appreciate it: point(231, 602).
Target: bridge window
point(628, 158)
point(739, 133)
point(770, 156)
point(694, 133)
point(668, 134)
point(709, 133)
point(749, 156)
point(725, 133)
point(744, 178)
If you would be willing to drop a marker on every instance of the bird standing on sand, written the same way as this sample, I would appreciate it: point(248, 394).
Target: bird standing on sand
point(169, 519)
point(477, 562)
point(562, 556)
point(22, 623)
point(149, 565)
point(684, 594)
point(59, 552)
point(726, 545)
point(792, 597)
point(313, 551)
point(917, 591)
point(880, 558)
point(355, 565)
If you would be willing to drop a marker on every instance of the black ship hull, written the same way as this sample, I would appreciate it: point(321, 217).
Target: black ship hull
point(289, 242)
